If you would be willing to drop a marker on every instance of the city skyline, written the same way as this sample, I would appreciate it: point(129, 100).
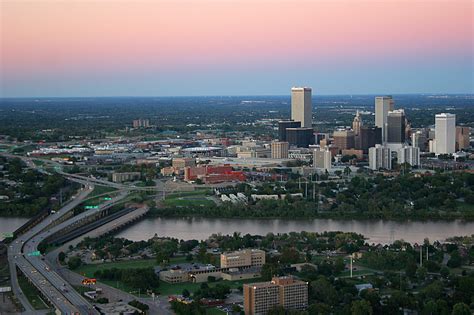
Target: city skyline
point(113, 48)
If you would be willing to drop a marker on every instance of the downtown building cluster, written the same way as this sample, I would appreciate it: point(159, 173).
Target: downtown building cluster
point(380, 143)
point(389, 140)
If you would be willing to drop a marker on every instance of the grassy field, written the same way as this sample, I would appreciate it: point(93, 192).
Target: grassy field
point(189, 198)
point(198, 192)
point(356, 273)
point(88, 270)
point(188, 201)
point(215, 311)
point(32, 294)
point(98, 190)
point(177, 288)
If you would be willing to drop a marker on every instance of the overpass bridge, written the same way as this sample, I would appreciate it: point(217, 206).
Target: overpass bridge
point(59, 227)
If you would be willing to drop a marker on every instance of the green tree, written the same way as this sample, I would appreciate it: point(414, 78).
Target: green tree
point(186, 293)
point(361, 307)
point(461, 309)
point(74, 262)
point(430, 308)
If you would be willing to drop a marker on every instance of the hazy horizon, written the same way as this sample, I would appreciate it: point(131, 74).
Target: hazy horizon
point(240, 47)
point(241, 95)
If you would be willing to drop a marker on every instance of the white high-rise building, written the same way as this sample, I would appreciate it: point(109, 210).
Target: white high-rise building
point(445, 133)
point(301, 107)
point(383, 105)
point(380, 157)
point(410, 155)
point(322, 158)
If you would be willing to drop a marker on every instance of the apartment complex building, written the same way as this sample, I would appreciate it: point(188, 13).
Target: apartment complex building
point(287, 292)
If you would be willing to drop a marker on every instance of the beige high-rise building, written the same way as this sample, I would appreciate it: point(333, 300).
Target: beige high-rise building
point(344, 139)
point(357, 123)
point(383, 105)
point(462, 137)
point(287, 292)
point(280, 150)
point(243, 258)
point(301, 107)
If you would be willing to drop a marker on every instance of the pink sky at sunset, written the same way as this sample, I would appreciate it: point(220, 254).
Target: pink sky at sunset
point(54, 38)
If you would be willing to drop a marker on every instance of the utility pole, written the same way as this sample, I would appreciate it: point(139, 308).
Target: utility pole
point(427, 254)
point(306, 188)
point(421, 256)
point(351, 265)
point(400, 281)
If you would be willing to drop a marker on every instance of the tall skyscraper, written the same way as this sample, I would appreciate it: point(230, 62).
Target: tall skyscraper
point(396, 126)
point(322, 158)
point(285, 124)
point(462, 138)
point(409, 154)
point(445, 133)
point(301, 107)
point(383, 105)
point(380, 157)
point(357, 123)
point(279, 150)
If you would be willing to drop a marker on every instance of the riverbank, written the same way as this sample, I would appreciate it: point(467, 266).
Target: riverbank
point(467, 214)
point(378, 231)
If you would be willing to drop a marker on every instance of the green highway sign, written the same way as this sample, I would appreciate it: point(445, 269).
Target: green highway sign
point(7, 234)
point(36, 253)
point(107, 198)
point(92, 207)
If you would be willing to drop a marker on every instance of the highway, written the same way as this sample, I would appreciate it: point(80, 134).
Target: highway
point(41, 273)
point(35, 269)
point(44, 277)
point(156, 307)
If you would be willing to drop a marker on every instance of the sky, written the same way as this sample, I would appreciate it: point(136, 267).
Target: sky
point(234, 47)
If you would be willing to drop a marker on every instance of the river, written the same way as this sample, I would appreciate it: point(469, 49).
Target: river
point(378, 231)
